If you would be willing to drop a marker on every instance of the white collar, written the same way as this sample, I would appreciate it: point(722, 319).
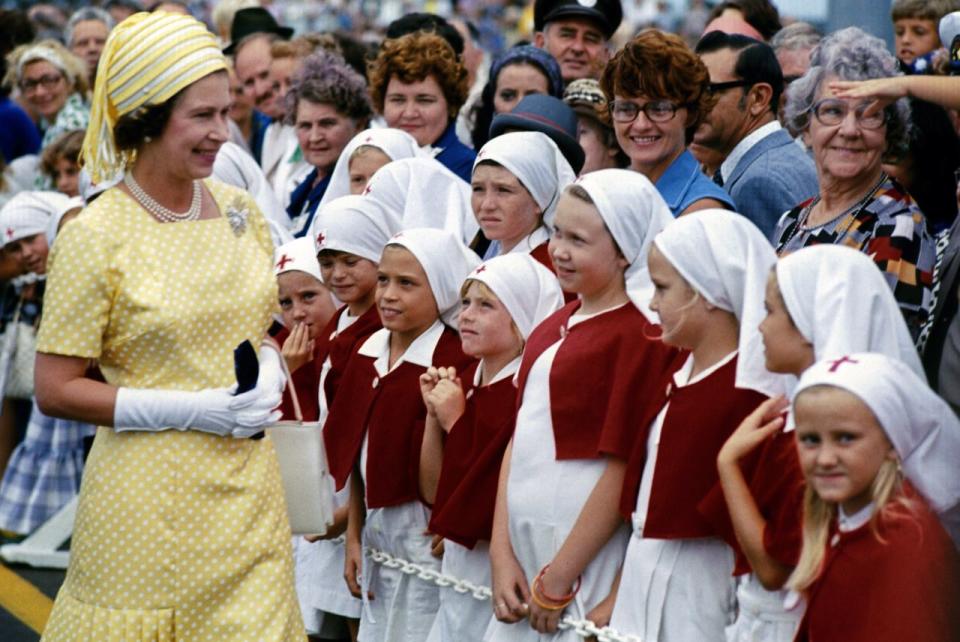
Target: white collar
point(748, 141)
point(531, 241)
point(682, 376)
point(847, 523)
point(506, 371)
point(420, 352)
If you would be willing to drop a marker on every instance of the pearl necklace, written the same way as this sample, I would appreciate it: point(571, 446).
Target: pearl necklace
point(159, 211)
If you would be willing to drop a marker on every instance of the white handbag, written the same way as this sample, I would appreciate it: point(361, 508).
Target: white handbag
point(307, 483)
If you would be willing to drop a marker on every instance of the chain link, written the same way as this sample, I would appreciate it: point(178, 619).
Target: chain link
point(583, 628)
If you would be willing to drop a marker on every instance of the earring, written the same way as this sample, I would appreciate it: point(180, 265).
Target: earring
point(147, 139)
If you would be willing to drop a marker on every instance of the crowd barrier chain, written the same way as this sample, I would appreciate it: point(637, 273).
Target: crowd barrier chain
point(583, 628)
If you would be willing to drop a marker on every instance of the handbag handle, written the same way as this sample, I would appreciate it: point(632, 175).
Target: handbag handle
point(271, 343)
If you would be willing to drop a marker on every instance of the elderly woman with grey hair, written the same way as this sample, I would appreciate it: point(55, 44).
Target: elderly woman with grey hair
point(859, 205)
point(328, 105)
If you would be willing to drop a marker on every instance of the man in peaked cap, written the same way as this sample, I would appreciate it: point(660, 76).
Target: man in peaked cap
point(575, 32)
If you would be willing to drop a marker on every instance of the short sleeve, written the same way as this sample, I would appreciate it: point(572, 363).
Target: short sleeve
point(77, 299)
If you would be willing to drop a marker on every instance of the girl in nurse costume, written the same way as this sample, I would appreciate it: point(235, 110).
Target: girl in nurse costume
point(350, 233)
point(812, 313)
point(879, 450)
point(305, 308)
point(469, 424)
point(517, 181)
point(367, 152)
point(557, 540)
point(423, 193)
point(375, 428)
point(709, 269)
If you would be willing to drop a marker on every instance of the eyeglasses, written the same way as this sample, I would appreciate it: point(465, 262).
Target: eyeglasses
point(657, 111)
point(717, 87)
point(47, 81)
point(831, 112)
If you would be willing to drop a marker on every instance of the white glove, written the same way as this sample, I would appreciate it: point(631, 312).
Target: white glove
point(272, 377)
point(215, 411)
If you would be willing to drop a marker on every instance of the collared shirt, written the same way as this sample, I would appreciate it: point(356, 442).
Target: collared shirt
point(419, 352)
point(730, 163)
point(304, 201)
point(453, 154)
point(683, 184)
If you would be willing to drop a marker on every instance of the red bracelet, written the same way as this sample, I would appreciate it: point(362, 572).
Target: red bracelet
point(566, 599)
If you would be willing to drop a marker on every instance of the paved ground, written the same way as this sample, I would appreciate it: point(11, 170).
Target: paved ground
point(26, 595)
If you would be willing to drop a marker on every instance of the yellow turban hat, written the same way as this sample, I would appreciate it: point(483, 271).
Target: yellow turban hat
point(148, 59)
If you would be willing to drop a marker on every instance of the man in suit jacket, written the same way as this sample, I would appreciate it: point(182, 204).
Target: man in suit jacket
point(941, 353)
point(753, 158)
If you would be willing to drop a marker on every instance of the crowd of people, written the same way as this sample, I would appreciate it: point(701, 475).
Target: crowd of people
point(654, 331)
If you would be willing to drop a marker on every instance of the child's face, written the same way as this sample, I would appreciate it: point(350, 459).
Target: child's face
point(841, 446)
point(682, 313)
point(404, 298)
point(30, 253)
point(583, 252)
point(66, 177)
point(363, 166)
point(914, 37)
point(785, 348)
point(503, 207)
point(486, 328)
point(352, 279)
point(303, 299)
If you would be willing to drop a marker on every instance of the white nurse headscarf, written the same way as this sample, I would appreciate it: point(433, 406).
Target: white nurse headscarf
point(424, 193)
point(634, 212)
point(29, 213)
point(396, 144)
point(353, 224)
point(536, 162)
point(727, 259)
point(529, 291)
point(446, 262)
point(920, 425)
point(840, 303)
point(297, 256)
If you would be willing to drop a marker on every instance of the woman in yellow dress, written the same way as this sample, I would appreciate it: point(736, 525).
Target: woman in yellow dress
point(181, 532)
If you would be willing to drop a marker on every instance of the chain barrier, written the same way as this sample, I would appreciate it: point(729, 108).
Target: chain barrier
point(583, 628)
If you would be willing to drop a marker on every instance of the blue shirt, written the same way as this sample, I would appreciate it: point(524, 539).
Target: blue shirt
point(454, 155)
point(19, 136)
point(683, 184)
point(304, 201)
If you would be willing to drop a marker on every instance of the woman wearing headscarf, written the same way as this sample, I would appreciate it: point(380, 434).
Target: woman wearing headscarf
point(181, 528)
point(519, 72)
point(53, 83)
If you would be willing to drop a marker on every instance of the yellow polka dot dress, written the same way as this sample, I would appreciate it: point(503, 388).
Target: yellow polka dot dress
point(179, 535)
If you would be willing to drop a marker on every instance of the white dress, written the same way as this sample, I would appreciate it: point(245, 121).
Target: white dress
point(318, 567)
point(674, 590)
point(544, 500)
point(762, 615)
point(403, 607)
point(462, 617)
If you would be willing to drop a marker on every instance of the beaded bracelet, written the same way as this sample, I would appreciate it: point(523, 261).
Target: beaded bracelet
point(546, 601)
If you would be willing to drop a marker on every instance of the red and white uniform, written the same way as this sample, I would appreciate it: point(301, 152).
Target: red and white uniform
point(563, 438)
point(677, 582)
point(378, 418)
point(896, 580)
point(466, 496)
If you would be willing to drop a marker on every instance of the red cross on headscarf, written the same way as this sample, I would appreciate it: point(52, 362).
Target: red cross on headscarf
point(282, 263)
point(839, 362)
point(321, 237)
point(482, 268)
point(10, 232)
